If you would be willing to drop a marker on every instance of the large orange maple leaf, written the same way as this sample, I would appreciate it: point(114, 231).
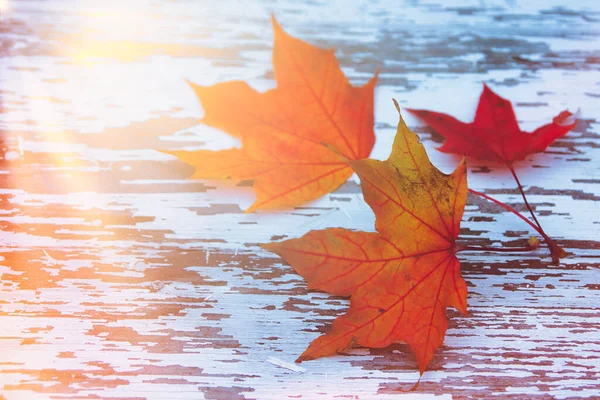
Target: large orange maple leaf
point(494, 135)
point(401, 278)
point(282, 130)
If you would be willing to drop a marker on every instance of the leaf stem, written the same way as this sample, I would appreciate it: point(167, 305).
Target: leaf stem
point(495, 249)
point(556, 251)
point(508, 208)
point(514, 174)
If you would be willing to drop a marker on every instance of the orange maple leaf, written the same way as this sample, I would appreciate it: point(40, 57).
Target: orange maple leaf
point(494, 135)
point(282, 130)
point(401, 278)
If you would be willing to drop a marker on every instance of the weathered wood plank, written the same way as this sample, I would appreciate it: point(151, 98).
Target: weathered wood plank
point(121, 278)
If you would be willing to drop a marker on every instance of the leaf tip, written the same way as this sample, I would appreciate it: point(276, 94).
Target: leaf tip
point(489, 93)
point(271, 247)
point(397, 105)
point(276, 26)
point(190, 83)
point(567, 118)
point(402, 124)
point(199, 90)
point(170, 152)
point(375, 77)
point(303, 357)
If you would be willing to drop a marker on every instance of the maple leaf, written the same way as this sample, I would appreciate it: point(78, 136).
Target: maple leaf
point(494, 135)
point(281, 130)
point(401, 278)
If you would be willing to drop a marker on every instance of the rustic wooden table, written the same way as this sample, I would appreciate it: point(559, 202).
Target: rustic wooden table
point(121, 278)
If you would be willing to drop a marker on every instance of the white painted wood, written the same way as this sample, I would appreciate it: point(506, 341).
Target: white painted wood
point(121, 278)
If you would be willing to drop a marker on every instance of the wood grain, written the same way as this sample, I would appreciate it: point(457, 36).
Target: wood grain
point(122, 278)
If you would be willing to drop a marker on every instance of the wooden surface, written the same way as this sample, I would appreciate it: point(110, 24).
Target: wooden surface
point(123, 279)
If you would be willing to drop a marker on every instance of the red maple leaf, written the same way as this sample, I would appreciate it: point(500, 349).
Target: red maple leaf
point(494, 135)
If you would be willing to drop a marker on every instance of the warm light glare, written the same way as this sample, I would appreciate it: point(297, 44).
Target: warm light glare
point(4, 7)
point(110, 36)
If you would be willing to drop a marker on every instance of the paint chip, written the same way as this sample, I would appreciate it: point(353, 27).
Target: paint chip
point(285, 364)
